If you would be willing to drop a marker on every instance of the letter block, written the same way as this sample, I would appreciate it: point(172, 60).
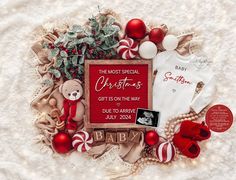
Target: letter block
point(122, 137)
point(111, 137)
point(98, 135)
point(134, 136)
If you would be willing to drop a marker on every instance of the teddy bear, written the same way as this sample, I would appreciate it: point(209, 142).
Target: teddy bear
point(73, 104)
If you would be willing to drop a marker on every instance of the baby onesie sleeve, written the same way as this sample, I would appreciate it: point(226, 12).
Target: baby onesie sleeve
point(206, 95)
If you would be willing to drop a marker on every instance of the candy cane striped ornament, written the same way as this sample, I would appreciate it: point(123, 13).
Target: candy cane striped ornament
point(82, 141)
point(128, 48)
point(165, 152)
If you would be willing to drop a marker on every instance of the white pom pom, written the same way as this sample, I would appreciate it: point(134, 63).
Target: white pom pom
point(147, 50)
point(170, 42)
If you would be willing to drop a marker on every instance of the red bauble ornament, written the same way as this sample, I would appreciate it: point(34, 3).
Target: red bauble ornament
point(151, 138)
point(156, 35)
point(135, 29)
point(73, 51)
point(62, 143)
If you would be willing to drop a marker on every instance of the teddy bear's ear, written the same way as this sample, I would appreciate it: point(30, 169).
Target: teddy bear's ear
point(60, 88)
point(77, 80)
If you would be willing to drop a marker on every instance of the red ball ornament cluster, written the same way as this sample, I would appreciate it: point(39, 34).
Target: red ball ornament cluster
point(136, 31)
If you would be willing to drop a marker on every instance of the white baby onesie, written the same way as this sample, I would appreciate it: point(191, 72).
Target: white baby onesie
point(175, 84)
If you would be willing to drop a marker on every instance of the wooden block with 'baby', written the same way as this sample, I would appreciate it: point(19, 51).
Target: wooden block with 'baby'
point(122, 137)
point(98, 135)
point(134, 136)
point(111, 137)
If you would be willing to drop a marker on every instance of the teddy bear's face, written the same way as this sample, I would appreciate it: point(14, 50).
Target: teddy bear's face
point(71, 89)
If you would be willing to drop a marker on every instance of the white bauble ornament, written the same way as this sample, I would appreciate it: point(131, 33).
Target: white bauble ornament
point(147, 50)
point(170, 42)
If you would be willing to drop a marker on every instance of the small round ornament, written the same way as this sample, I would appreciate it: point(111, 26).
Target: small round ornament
point(82, 141)
point(127, 48)
point(165, 152)
point(151, 138)
point(62, 143)
point(135, 29)
point(156, 35)
point(147, 50)
point(170, 42)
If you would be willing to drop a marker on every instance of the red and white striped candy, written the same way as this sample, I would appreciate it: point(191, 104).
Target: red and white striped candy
point(82, 141)
point(127, 48)
point(165, 152)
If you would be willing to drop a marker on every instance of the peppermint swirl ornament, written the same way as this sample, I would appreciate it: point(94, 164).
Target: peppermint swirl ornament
point(128, 48)
point(165, 152)
point(82, 141)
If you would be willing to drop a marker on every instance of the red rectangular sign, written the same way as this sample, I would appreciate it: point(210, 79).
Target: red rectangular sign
point(114, 89)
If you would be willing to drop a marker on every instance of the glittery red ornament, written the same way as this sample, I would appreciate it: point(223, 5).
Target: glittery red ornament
point(73, 51)
point(135, 29)
point(62, 142)
point(156, 35)
point(151, 138)
point(79, 52)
